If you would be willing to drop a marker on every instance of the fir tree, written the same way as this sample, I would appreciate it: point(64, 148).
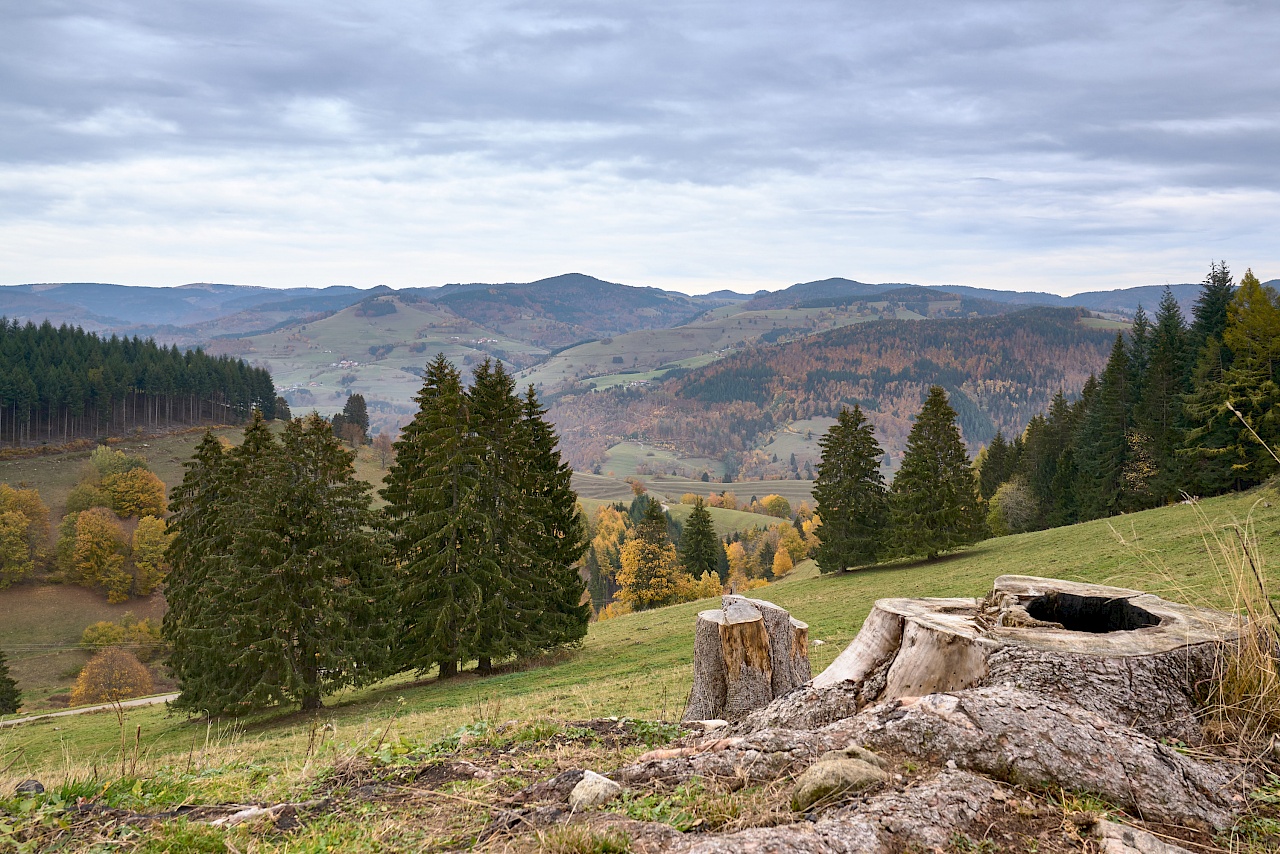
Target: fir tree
point(1247, 384)
point(557, 531)
point(439, 528)
point(10, 696)
point(298, 606)
point(1102, 449)
point(995, 464)
point(199, 575)
point(1210, 311)
point(1158, 415)
point(934, 498)
point(699, 546)
point(356, 412)
point(1139, 350)
point(850, 494)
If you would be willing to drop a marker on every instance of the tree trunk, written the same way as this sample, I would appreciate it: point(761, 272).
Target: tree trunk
point(1125, 655)
point(448, 669)
point(484, 666)
point(746, 654)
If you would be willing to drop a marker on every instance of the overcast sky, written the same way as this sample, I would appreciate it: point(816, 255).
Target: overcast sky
point(686, 144)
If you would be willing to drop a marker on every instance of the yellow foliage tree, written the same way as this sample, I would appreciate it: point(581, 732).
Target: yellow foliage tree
point(782, 563)
point(689, 498)
point(741, 567)
point(111, 676)
point(613, 609)
point(651, 574)
point(136, 492)
point(789, 538)
point(98, 556)
point(15, 555)
point(692, 589)
point(150, 540)
point(28, 503)
point(776, 505)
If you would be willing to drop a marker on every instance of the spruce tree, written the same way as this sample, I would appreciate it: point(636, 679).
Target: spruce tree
point(700, 549)
point(557, 531)
point(934, 500)
point(199, 578)
point(995, 465)
point(1210, 311)
point(1102, 449)
point(850, 494)
point(1139, 350)
point(10, 696)
point(298, 605)
point(356, 412)
point(1158, 415)
point(1250, 385)
point(439, 529)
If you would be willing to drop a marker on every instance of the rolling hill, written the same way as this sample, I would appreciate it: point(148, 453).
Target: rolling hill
point(998, 371)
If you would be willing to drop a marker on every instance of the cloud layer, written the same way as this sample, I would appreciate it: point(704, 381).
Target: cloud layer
point(688, 145)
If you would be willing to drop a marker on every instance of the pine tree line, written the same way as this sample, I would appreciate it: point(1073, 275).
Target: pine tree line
point(285, 585)
point(62, 383)
point(1174, 413)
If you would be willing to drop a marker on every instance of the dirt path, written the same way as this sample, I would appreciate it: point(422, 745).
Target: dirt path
point(128, 704)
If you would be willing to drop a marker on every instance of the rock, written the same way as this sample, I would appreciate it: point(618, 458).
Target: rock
point(1039, 741)
point(30, 787)
point(925, 817)
point(853, 751)
point(593, 790)
point(1120, 839)
point(830, 778)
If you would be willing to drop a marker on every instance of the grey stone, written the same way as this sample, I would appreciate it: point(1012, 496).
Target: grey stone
point(30, 787)
point(832, 777)
point(593, 790)
point(1120, 839)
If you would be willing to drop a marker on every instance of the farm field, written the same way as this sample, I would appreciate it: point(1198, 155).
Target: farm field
point(639, 665)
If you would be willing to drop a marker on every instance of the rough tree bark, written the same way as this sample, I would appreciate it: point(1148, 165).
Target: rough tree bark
point(746, 654)
point(1131, 657)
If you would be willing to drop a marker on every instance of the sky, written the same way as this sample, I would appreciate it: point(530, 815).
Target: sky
point(685, 144)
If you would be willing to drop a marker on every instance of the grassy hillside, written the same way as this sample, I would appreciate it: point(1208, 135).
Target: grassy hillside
point(639, 665)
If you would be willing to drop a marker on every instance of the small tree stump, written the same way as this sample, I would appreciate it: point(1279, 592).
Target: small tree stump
point(1129, 656)
point(745, 654)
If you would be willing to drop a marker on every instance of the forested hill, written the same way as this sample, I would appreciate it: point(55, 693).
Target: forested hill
point(61, 383)
point(998, 372)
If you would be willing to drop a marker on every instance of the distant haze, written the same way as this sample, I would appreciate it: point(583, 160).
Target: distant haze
point(688, 146)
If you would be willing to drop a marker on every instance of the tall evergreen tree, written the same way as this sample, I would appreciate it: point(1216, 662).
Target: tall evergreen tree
point(10, 696)
point(439, 528)
point(1226, 450)
point(1103, 447)
point(298, 603)
point(700, 549)
point(850, 494)
point(557, 531)
point(1140, 334)
point(995, 464)
point(1210, 311)
point(1158, 415)
point(356, 412)
point(934, 500)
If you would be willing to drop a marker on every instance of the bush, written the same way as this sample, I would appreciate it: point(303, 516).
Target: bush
point(85, 495)
point(1013, 508)
point(142, 637)
point(111, 676)
point(136, 492)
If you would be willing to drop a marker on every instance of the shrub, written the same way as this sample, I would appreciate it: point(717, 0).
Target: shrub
point(111, 676)
point(85, 495)
point(140, 636)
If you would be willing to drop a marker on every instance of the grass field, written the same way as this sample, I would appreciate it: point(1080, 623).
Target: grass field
point(639, 665)
point(635, 666)
point(626, 458)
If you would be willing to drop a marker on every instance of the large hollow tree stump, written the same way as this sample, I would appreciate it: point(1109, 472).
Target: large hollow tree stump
point(745, 654)
point(1128, 656)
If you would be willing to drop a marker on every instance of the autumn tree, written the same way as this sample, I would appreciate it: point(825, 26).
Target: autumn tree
point(15, 553)
point(384, 448)
point(27, 503)
point(651, 574)
point(100, 552)
point(10, 696)
point(134, 493)
point(850, 494)
point(150, 542)
point(934, 498)
point(782, 563)
point(111, 676)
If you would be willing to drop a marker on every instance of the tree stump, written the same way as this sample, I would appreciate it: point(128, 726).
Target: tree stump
point(745, 654)
point(1129, 656)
